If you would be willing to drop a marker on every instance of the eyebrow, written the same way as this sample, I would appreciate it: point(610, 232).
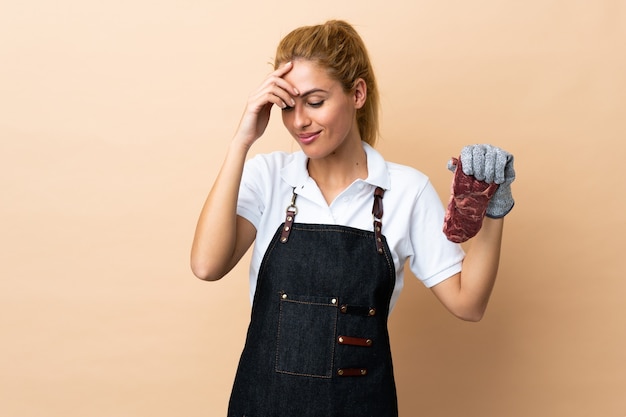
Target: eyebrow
point(312, 91)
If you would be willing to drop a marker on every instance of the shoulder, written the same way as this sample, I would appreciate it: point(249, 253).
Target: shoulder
point(390, 175)
point(274, 165)
point(272, 160)
point(410, 190)
point(404, 178)
point(406, 171)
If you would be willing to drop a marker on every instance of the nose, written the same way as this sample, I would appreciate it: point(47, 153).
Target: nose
point(301, 117)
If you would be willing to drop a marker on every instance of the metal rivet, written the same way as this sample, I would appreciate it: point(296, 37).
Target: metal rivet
point(286, 228)
point(340, 339)
point(284, 296)
point(372, 311)
point(377, 228)
point(380, 240)
point(368, 342)
point(289, 218)
point(344, 308)
point(333, 301)
point(283, 240)
point(380, 251)
point(339, 371)
point(363, 371)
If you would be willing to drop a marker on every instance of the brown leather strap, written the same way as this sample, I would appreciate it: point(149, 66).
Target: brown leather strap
point(354, 341)
point(377, 212)
point(292, 210)
point(351, 371)
point(358, 310)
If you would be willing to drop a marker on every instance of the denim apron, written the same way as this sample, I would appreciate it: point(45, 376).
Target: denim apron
point(317, 344)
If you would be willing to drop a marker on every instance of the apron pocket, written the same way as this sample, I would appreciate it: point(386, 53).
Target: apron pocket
point(307, 329)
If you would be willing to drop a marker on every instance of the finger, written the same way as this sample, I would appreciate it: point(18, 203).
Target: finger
point(280, 88)
point(283, 69)
point(478, 162)
point(491, 157)
point(272, 92)
point(509, 170)
point(284, 90)
point(500, 168)
point(278, 75)
point(467, 157)
point(282, 98)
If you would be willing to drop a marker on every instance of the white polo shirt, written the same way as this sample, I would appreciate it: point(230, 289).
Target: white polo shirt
point(412, 220)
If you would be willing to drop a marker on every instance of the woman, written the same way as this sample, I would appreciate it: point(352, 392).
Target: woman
point(323, 275)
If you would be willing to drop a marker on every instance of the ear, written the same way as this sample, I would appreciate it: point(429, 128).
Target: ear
point(359, 93)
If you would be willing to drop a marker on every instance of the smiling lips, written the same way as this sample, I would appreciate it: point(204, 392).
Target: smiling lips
point(306, 138)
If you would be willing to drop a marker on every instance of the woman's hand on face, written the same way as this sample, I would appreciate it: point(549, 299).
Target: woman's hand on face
point(274, 90)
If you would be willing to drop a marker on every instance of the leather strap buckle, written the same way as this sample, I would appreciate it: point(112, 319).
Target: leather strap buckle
point(292, 210)
point(377, 213)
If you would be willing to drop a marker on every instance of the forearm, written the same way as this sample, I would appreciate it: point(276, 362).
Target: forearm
point(215, 236)
point(466, 294)
point(480, 266)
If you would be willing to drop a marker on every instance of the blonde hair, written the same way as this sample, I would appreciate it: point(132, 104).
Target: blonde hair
point(336, 46)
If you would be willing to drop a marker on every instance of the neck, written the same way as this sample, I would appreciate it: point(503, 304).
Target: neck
point(336, 172)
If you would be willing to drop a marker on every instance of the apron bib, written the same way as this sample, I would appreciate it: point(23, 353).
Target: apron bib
point(317, 344)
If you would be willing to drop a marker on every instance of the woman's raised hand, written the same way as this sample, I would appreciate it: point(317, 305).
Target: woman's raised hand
point(212, 258)
point(274, 90)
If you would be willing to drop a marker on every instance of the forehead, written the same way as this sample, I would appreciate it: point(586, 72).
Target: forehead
point(306, 75)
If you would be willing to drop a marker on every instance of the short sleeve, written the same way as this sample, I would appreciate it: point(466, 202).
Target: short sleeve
point(250, 203)
point(434, 257)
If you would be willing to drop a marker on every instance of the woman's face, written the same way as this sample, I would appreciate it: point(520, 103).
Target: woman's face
point(323, 120)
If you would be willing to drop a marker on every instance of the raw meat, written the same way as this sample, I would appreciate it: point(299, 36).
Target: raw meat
point(468, 202)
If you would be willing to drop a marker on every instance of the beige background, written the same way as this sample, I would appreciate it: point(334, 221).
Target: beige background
point(114, 117)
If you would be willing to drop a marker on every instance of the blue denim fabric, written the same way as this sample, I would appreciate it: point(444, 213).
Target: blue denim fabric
point(315, 335)
point(291, 360)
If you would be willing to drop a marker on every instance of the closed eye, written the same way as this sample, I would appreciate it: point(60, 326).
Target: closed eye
point(316, 104)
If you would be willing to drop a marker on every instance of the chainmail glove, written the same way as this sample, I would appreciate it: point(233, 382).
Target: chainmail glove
point(491, 164)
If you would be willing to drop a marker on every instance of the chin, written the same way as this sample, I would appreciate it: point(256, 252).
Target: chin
point(313, 154)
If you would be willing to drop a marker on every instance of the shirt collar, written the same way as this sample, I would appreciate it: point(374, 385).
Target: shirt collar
point(295, 173)
point(377, 171)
